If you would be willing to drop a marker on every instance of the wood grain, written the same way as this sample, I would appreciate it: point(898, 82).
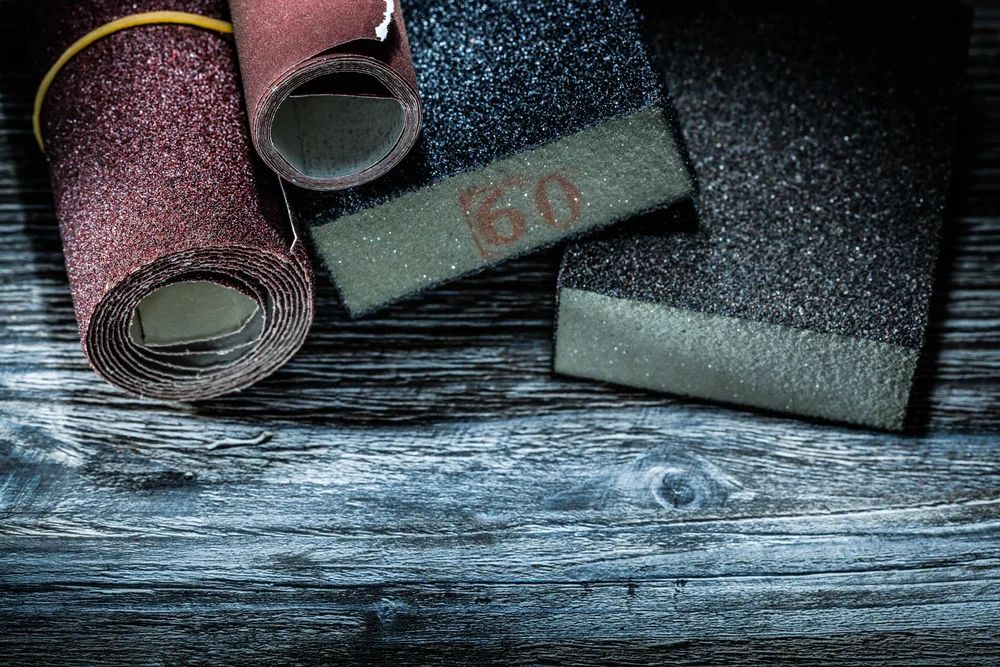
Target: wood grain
point(417, 488)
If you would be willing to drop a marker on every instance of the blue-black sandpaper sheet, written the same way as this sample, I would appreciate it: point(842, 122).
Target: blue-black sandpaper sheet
point(821, 135)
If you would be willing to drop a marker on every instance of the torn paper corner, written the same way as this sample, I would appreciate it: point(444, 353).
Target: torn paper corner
point(382, 31)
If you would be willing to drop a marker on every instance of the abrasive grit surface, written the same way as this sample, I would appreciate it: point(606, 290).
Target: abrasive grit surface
point(500, 80)
point(821, 135)
point(155, 184)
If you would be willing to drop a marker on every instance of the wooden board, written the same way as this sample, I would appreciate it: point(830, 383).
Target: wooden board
point(417, 488)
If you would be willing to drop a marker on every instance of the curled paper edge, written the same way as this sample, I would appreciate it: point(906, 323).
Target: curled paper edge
point(382, 30)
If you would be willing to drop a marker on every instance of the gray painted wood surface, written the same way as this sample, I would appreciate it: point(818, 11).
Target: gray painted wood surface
point(417, 488)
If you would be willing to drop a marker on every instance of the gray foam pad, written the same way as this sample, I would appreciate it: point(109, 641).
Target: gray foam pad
point(541, 122)
point(822, 147)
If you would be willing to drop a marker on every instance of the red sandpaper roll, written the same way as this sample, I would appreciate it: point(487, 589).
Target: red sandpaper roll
point(188, 278)
point(330, 88)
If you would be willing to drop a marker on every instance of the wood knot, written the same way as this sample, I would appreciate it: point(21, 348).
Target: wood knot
point(693, 484)
point(675, 490)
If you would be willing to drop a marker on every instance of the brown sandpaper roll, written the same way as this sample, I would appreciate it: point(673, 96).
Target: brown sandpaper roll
point(330, 88)
point(188, 278)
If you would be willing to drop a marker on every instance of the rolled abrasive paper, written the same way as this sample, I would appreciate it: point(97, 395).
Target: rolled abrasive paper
point(822, 135)
point(541, 122)
point(188, 278)
point(330, 88)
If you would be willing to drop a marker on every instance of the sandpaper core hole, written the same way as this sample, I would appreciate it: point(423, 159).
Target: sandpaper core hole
point(195, 313)
point(327, 134)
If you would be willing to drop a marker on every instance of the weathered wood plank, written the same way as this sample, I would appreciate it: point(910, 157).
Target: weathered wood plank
point(666, 466)
point(818, 534)
point(417, 488)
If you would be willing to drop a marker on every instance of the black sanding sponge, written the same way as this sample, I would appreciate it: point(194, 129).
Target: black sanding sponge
point(542, 121)
point(821, 134)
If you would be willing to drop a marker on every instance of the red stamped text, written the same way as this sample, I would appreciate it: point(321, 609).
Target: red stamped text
point(497, 217)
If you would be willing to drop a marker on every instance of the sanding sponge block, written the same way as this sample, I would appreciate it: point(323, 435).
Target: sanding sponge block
point(822, 147)
point(541, 121)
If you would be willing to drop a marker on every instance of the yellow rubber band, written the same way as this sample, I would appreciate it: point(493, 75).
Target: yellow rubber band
point(148, 18)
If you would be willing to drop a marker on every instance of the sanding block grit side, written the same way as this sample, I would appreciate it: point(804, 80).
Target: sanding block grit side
point(822, 149)
point(540, 125)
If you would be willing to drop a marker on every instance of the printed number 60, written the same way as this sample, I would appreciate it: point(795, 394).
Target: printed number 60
point(486, 217)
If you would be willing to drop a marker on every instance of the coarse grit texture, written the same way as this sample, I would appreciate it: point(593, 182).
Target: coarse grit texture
point(500, 77)
point(822, 137)
point(155, 182)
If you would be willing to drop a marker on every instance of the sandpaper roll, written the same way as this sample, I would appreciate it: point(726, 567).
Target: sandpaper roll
point(188, 278)
point(330, 88)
